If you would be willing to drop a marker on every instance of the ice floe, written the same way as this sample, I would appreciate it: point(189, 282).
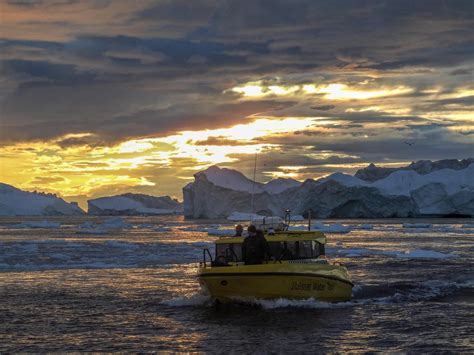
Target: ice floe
point(364, 226)
point(112, 224)
point(37, 224)
point(243, 216)
point(326, 228)
point(221, 232)
point(162, 229)
point(405, 254)
point(417, 225)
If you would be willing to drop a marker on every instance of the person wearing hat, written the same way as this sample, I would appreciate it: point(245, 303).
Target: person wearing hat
point(255, 248)
point(238, 230)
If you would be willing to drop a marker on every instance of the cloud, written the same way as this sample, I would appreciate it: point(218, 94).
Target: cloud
point(88, 76)
point(46, 180)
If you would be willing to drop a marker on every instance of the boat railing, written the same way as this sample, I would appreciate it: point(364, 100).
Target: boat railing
point(206, 252)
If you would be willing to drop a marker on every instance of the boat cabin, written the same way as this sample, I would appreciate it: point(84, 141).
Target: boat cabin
point(285, 246)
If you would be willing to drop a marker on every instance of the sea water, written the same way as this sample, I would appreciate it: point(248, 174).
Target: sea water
point(86, 284)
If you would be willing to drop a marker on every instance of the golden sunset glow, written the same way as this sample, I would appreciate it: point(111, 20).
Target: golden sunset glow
point(100, 98)
point(81, 169)
point(334, 91)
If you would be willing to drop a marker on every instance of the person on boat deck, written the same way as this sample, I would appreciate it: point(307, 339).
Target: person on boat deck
point(255, 248)
point(220, 261)
point(238, 230)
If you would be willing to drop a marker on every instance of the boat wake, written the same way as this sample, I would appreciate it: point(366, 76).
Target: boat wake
point(362, 295)
point(193, 300)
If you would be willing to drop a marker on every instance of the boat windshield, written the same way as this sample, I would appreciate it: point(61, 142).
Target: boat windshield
point(288, 250)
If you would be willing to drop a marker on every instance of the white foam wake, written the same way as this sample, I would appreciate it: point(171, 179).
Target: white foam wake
point(424, 291)
point(197, 299)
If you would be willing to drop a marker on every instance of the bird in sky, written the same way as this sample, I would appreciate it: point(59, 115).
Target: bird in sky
point(410, 143)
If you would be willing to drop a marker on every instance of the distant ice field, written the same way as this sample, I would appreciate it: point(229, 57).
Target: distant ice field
point(110, 284)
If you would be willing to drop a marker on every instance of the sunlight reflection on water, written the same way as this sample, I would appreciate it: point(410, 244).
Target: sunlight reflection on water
point(135, 290)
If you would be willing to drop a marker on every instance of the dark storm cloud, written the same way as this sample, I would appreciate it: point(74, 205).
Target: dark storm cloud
point(164, 67)
point(394, 147)
point(56, 73)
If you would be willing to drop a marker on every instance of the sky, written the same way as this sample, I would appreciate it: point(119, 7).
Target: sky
point(105, 97)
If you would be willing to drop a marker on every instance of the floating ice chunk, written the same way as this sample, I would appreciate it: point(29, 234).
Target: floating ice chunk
point(424, 254)
point(112, 224)
point(144, 226)
point(243, 216)
point(122, 245)
point(407, 254)
point(92, 231)
point(221, 232)
point(38, 224)
point(298, 228)
point(86, 225)
point(416, 225)
point(327, 228)
point(115, 223)
point(332, 228)
point(194, 229)
point(162, 229)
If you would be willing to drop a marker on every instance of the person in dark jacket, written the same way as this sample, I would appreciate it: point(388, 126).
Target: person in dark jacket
point(255, 248)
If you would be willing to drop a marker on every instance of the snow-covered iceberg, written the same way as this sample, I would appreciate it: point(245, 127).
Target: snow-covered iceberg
point(16, 202)
point(134, 204)
point(427, 189)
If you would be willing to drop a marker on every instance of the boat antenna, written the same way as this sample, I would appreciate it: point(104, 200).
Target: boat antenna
point(309, 219)
point(253, 185)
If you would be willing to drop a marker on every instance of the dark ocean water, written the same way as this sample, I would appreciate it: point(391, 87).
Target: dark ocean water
point(73, 289)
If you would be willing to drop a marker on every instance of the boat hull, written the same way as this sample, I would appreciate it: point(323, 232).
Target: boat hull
point(324, 283)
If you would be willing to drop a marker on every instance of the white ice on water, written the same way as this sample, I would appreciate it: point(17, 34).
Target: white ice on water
point(417, 225)
point(37, 224)
point(405, 254)
point(243, 216)
point(109, 225)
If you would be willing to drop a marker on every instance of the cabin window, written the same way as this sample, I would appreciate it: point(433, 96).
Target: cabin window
point(292, 247)
point(276, 248)
point(318, 249)
point(305, 249)
point(231, 252)
point(236, 252)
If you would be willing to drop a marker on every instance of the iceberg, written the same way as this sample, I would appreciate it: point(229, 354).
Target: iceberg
point(16, 202)
point(134, 204)
point(423, 189)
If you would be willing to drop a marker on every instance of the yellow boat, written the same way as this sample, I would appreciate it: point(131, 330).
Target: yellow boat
point(300, 270)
